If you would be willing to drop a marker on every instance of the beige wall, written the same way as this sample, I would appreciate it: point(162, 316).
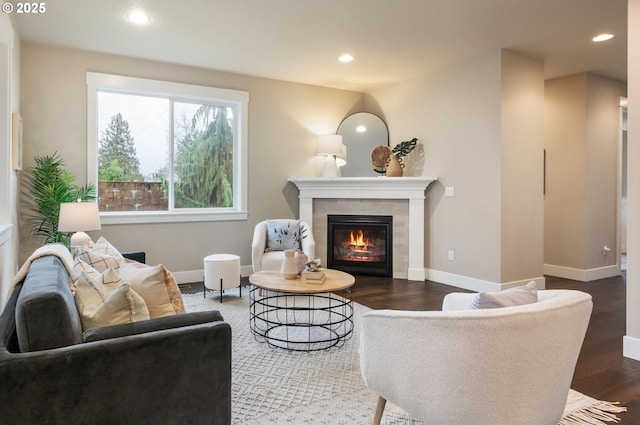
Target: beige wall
point(632, 338)
point(566, 173)
point(581, 142)
point(284, 119)
point(458, 113)
point(522, 209)
point(603, 127)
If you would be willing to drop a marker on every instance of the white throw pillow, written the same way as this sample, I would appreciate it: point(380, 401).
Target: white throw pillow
point(101, 305)
point(520, 295)
point(100, 255)
point(283, 234)
point(104, 247)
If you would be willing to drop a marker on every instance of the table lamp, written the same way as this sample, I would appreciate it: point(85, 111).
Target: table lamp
point(330, 145)
point(341, 160)
point(79, 217)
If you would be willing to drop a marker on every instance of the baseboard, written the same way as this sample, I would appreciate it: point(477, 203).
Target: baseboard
point(191, 276)
point(478, 285)
point(581, 275)
point(416, 274)
point(631, 347)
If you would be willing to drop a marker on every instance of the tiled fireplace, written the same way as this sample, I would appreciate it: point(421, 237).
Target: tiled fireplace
point(401, 198)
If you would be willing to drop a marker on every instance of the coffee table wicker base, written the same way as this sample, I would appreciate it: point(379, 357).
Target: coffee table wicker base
point(301, 321)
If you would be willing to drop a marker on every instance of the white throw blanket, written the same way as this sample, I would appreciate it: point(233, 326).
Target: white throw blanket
point(57, 249)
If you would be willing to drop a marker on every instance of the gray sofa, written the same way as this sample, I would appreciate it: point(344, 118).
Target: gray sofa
point(165, 371)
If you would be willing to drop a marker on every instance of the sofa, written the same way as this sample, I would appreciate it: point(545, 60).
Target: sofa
point(162, 371)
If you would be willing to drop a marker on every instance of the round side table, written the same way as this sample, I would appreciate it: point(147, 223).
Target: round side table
point(221, 271)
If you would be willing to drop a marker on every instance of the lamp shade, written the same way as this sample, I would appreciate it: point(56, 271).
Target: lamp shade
point(79, 217)
point(330, 144)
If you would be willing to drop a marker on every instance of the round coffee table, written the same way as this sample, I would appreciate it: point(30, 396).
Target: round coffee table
point(298, 316)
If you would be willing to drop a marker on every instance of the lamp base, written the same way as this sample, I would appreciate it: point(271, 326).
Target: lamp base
point(330, 168)
point(78, 239)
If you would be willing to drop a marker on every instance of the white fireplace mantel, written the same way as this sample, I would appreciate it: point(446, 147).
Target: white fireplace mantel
point(403, 188)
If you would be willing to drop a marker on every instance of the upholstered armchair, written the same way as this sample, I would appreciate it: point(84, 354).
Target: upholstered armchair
point(267, 250)
point(500, 366)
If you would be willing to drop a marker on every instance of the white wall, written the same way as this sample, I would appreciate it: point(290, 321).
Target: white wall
point(9, 102)
point(457, 113)
point(284, 121)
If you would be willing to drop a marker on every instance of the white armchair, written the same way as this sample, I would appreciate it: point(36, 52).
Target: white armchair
point(261, 259)
point(503, 366)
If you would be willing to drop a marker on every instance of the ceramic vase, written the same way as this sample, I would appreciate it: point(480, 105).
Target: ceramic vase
point(301, 261)
point(394, 166)
point(289, 268)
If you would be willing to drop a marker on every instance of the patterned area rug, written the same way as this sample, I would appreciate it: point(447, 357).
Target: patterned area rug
point(274, 386)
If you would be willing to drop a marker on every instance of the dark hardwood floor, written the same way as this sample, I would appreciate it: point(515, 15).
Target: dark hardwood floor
point(602, 372)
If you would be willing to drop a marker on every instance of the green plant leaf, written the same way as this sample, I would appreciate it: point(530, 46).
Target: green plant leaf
point(405, 148)
point(50, 185)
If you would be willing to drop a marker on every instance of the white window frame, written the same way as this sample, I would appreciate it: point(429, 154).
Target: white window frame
point(175, 91)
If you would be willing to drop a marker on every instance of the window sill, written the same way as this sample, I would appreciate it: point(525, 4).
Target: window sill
point(169, 217)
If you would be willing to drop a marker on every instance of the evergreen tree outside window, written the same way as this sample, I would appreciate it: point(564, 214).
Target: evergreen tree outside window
point(164, 151)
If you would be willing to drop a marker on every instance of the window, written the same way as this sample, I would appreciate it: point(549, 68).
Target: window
point(165, 152)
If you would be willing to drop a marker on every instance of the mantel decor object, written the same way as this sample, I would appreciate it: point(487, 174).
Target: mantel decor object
point(394, 162)
point(379, 158)
point(394, 166)
point(389, 161)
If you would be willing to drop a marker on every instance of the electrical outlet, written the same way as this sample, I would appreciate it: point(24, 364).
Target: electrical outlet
point(450, 255)
point(448, 191)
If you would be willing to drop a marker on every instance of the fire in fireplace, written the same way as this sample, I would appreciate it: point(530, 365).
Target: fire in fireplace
point(360, 244)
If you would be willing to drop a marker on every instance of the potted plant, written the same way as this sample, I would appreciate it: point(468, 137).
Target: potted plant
point(50, 185)
point(394, 163)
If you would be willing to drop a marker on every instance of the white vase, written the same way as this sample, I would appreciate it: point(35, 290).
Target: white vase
point(289, 268)
point(301, 261)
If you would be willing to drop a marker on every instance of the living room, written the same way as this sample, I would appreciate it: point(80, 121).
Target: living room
point(461, 112)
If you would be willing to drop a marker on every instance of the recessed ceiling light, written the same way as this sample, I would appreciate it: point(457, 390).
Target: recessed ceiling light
point(602, 37)
point(345, 58)
point(361, 129)
point(138, 17)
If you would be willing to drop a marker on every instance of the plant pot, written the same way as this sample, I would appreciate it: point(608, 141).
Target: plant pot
point(394, 166)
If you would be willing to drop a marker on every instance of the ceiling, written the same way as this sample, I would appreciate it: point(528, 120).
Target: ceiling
point(300, 40)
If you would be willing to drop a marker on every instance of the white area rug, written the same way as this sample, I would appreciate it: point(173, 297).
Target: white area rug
point(274, 386)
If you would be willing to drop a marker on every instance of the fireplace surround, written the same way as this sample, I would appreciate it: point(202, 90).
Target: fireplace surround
point(401, 197)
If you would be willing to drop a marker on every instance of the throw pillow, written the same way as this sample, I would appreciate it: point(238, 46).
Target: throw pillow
point(100, 262)
point(283, 234)
point(108, 277)
point(104, 247)
point(148, 281)
point(100, 255)
point(175, 296)
point(520, 295)
point(100, 305)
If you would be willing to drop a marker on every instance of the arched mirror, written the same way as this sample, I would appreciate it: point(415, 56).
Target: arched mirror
point(361, 132)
